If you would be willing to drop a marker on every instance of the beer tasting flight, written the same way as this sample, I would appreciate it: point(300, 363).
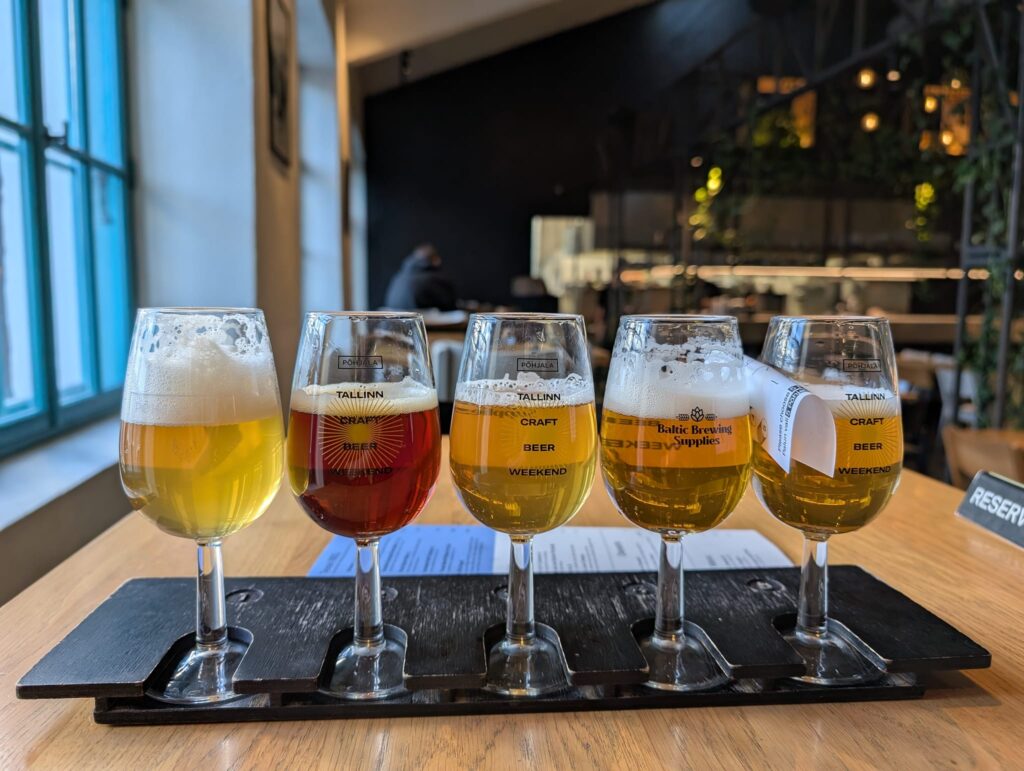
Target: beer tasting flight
point(203, 450)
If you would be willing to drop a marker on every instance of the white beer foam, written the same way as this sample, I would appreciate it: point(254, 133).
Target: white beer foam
point(866, 401)
point(505, 392)
point(365, 399)
point(198, 370)
point(655, 383)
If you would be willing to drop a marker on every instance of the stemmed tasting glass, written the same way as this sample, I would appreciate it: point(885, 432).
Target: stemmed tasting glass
point(675, 451)
point(364, 451)
point(200, 455)
point(848, 362)
point(523, 442)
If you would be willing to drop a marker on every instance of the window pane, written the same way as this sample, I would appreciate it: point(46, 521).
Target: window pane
point(109, 256)
point(9, 50)
point(103, 80)
point(60, 76)
point(18, 366)
point(68, 278)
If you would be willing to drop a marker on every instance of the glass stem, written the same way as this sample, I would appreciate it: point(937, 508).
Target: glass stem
point(520, 625)
point(211, 613)
point(668, 623)
point(812, 609)
point(369, 621)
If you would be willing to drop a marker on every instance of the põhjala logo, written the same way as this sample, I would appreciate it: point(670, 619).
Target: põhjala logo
point(360, 362)
point(862, 365)
point(536, 364)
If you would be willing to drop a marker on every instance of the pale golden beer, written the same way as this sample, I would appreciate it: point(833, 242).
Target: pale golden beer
point(869, 459)
point(201, 430)
point(523, 460)
point(675, 432)
point(660, 483)
point(202, 481)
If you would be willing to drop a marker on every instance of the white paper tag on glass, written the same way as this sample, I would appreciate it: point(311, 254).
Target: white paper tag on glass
point(793, 422)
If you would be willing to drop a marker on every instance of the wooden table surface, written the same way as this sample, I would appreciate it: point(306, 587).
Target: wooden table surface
point(953, 567)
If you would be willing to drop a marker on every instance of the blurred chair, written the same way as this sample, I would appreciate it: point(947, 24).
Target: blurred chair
point(921, 408)
point(970, 450)
point(956, 410)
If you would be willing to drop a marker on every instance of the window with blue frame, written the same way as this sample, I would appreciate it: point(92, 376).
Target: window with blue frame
point(65, 283)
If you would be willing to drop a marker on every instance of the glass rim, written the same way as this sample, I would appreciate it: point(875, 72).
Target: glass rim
point(527, 316)
point(196, 310)
point(679, 318)
point(398, 315)
point(826, 318)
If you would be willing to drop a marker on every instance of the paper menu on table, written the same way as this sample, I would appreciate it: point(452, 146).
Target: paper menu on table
point(423, 550)
point(795, 423)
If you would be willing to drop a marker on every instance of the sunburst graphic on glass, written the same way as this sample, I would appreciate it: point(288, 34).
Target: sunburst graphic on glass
point(364, 449)
point(361, 441)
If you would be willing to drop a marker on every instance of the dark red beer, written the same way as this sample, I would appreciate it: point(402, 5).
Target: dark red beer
point(361, 475)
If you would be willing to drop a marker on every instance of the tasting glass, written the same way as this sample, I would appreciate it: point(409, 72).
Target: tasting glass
point(675, 454)
point(849, 363)
point(523, 445)
point(364, 451)
point(200, 456)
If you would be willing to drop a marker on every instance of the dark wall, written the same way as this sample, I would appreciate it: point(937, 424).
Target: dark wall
point(464, 159)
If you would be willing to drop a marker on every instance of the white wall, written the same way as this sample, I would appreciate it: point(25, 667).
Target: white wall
point(191, 94)
point(279, 268)
point(359, 222)
point(320, 177)
point(216, 214)
point(321, 192)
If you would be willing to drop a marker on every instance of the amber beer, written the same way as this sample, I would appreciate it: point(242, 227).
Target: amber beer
point(363, 458)
point(869, 459)
point(522, 458)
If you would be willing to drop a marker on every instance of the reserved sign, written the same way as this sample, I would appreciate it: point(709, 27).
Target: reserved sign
point(997, 504)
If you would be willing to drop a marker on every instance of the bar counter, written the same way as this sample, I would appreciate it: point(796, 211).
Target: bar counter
point(951, 566)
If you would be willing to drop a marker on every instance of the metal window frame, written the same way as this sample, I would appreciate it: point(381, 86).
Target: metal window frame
point(54, 418)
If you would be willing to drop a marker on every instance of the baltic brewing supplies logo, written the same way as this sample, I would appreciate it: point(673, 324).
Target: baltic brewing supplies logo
point(536, 364)
point(360, 362)
point(696, 415)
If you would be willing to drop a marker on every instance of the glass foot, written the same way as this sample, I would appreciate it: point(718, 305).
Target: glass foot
point(203, 676)
point(365, 672)
point(831, 659)
point(530, 668)
point(681, 663)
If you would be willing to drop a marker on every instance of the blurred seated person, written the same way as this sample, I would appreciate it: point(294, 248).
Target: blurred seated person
point(419, 284)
